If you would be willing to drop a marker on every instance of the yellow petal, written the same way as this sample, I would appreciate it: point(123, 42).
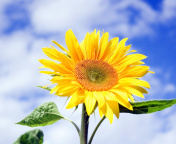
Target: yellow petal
point(99, 98)
point(151, 72)
point(55, 66)
point(67, 89)
point(56, 55)
point(92, 47)
point(77, 98)
point(130, 59)
point(110, 96)
point(142, 90)
point(131, 51)
point(138, 63)
point(49, 72)
point(73, 102)
point(134, 71)
point(122, 98)
point(133, 81)
point(102, 110)
point(103, 44)
point(90, 102)
point(73, 46)
point(59, 79)
point(134, 91)
point(109, 113)
point(119, 51)
point(131, 97)
point(83, 49)
point(54, 89)
point(97, 50)
point(87, 46)
point(114, 107)
point(62, 48)
point(109, 50)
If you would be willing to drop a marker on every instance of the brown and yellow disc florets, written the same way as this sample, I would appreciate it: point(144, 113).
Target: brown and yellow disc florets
point(95, 75)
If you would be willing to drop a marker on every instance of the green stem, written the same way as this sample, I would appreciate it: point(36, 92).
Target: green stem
point(77, 128)
point(84, 126)
point(91, 138)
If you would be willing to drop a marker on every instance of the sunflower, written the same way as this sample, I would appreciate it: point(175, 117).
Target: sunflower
point(96, 72)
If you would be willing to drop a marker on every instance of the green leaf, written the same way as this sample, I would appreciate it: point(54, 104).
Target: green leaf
point(147, 107)
point(46, 88)
point(43, 115)
point(31, 137)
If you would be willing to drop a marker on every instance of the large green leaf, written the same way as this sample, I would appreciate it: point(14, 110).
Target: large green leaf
point(147, 107)
point(31, 137)
point(43, 115)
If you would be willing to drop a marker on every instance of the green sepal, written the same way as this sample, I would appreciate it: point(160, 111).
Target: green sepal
point(31, 137)
point(76, 108)
point(46, 88)
point(147, 107)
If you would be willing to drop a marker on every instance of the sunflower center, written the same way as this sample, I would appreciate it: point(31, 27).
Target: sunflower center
point(95, 75)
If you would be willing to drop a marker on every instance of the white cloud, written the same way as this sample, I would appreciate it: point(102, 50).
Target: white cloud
point(160, 84)
point(58, 16)
point(167, 136)
point(16, 71)
point(169, 88)
point(135, 20)
point(11, 110)
point(169, 10)
point(127, 18)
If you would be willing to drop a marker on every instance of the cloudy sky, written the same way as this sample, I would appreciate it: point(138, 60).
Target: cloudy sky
point(27, 26)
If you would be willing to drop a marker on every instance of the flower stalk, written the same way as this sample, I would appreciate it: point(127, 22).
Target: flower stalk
point(95, 130)
point(84, 126)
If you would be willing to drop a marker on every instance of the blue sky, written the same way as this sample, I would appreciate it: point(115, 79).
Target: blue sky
point(27, 26)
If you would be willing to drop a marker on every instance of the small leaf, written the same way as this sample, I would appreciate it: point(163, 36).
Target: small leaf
point(76, 108)
point(31, 137)
point(43, 115)
point(46, 88)
point(147, 107)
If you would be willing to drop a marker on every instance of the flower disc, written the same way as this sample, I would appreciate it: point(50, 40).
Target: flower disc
point(96, 75)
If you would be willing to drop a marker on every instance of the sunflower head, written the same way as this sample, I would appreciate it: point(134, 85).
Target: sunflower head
point(96, 72)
